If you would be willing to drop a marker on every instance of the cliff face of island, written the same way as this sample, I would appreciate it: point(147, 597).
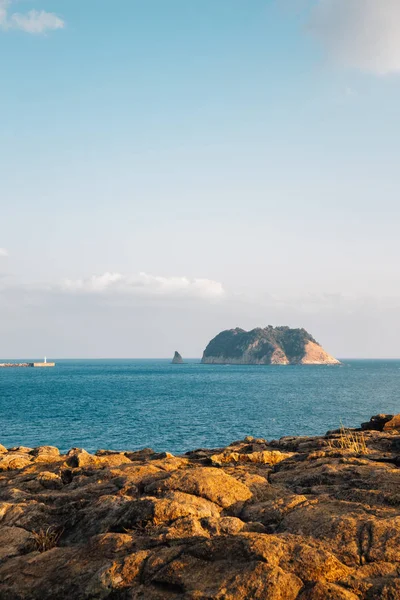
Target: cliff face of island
point(292, 519)
point(268, 346)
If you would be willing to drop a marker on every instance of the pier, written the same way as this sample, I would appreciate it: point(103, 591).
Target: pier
point(11, 365)
point(40, 365)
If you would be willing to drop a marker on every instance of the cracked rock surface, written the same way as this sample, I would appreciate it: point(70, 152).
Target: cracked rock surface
point(296, 518)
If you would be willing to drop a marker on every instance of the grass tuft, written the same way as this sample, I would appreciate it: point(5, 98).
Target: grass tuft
point(46, 539)
point(349, 440)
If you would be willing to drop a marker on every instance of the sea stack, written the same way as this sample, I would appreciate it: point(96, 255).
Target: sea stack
point(266, 346)
point(177, 360)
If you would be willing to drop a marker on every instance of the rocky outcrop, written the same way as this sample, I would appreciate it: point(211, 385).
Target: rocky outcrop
point(377, 423)
point(177, 360)
point(291, 519)
point(268, 346)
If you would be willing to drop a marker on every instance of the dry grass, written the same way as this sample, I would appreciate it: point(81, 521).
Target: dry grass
point(144, 528)
point(349, 440)
point(46, 539)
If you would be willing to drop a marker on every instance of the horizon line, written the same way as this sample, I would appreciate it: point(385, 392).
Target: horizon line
point(187, 358)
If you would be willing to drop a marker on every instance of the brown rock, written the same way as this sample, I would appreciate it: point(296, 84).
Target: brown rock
point(13, 460)
point(13, 541)
point(393, 424)
point(328, 591)
point(45, 453)
point(267, 457)
point(77, 457)
point(140, 454)
point(50, 481)
point(272, 512)
point(213, 484)
point(115, 460)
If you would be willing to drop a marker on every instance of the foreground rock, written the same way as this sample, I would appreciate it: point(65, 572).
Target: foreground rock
point(298, 518)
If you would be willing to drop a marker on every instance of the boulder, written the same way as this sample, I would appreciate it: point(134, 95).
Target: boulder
point(212, 484)
point(79, 458)
point(14, 460)
point(50, 481)
point(139, 455)
point(393, 424)
point(376, 423)
point(45, 453)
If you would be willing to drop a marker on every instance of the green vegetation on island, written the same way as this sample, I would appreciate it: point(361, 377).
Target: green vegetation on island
point(269, 345)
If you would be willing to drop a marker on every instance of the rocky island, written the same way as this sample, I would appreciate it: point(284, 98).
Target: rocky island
point(177, 360)
point(268, 346)
point(300, 518)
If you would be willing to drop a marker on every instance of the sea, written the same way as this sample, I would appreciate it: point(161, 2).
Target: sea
point(135, 404)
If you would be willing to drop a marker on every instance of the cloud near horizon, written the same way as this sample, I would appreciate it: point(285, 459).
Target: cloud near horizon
point(3, 252)
point(361, 34)
point(33, 21)
point(144, 284)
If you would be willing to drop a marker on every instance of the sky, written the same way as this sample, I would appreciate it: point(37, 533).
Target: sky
point(173, 168)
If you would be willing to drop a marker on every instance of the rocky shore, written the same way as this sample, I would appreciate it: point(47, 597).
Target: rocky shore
point(296, 518)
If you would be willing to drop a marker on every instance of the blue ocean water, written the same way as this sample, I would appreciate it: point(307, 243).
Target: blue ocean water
point(132, 404)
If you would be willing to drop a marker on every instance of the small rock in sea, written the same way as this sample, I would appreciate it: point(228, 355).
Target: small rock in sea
point(177, 360)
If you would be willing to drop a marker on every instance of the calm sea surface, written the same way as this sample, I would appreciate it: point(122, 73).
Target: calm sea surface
point(131, 404)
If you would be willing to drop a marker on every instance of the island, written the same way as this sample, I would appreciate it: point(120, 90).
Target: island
point(299, 518)
point(177, 360)
point(266, 346)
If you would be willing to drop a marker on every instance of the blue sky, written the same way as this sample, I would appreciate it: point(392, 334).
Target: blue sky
point(170, 168)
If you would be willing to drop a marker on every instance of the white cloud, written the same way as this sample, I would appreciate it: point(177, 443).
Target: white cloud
point(3, 12)
point(3, 252)
point(33, 21)
point(362, 34)
point(36, 21)
point(145, 285)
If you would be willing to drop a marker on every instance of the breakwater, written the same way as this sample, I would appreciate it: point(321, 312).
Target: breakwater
point(27, 365)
